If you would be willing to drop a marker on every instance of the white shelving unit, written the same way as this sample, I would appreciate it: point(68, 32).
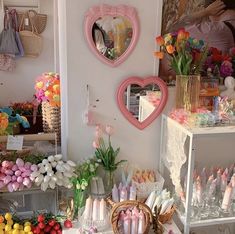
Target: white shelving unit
point(193, 134)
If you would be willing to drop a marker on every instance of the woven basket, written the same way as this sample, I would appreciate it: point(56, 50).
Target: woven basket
point(40, 20)
point(118, 207)
point(166, 217)
point(51, 120)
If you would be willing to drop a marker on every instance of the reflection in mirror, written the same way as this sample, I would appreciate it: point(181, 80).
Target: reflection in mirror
point(112, 35)
point(142, 101)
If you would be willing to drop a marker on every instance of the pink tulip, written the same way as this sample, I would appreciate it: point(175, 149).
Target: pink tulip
point(29, 184)
point(15, 186)
point(19, 179)
point(10, 187)
point(6, 164)
point(18, 173)
point(19, 162)
point(23, 169)
point(7, 179)
point(9, 172)
point(27, 165)
point(14, 168)
point(2, 176)
point(26, 182)
point(1, 184)
point(95, 144)
point(109, 130)
point(34, 167)
point(98, 133)
point(13, 178)
point(21, 187)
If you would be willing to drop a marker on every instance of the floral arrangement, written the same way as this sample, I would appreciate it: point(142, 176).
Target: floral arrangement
point(186, 55)
point(48, 88)
point(220, 64)
point(26, 108)
point(81, 179)
point(53, 171)
point(106, 155)
point(3, 123)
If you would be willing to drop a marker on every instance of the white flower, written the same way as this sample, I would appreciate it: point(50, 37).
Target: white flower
point(92, 169)
point(78, 186)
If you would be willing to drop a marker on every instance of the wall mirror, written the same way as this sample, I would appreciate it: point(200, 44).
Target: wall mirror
point(111, 32)
point(142, 100)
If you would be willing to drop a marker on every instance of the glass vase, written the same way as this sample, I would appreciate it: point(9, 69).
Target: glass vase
point(108, 181)
point(187, 92)
point(79, 201)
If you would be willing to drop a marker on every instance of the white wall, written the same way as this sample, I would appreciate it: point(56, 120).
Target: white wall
point(19, 84)
point(139, 147)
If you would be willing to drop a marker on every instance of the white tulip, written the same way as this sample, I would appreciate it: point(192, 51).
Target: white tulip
point(52, 184)
point(69, 186)
point(58, 157)
point(48, 167)
point(60, 168)
point(71, 163)
point(51, 158)
point(39, 179)
point(59, 182)
point(44, 161)
point(59, 175)
point(42, 170)
point(54, 178)
point(60, 162)
point(54, 164)
point(68, 174)
point(44, 186)
point(35, 174)
point(46, 179)
point(50, 173)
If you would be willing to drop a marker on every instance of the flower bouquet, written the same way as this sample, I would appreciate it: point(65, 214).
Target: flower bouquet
point(81, 179)
point(186, 57)
point(48, 93)
point(3, 123)
point(106, 155)
point(220, 65)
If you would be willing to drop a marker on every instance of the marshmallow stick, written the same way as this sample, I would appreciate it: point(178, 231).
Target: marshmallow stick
point(127, 224)
point(123, 194)
point(96, 210)
point(102, 209)
point(227, 197)
point(151, 199)
point(141, 225)
point(115, 195)
point(88, 208)
point(134, 224)
point(132, 193)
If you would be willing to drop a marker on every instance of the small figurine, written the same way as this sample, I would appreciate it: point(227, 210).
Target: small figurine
point(229, 83)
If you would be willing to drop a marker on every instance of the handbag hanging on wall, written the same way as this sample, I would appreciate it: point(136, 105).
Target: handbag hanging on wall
point(31, 40)
point(17, 35)
point(8, 43)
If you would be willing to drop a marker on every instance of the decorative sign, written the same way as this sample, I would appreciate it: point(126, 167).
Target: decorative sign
point(15, 142)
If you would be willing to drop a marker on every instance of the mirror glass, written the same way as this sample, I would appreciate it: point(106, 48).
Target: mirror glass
point(112, 35)
point(141, 102)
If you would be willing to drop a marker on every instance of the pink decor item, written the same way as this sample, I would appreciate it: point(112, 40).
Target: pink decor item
point(142, 83)
point(118, 12)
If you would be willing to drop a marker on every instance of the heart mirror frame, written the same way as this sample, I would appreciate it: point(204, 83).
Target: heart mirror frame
point(95, 12)
point(142, 82)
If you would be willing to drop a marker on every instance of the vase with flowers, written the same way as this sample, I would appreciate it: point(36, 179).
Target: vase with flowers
point(186, 57)
point(106, 156)
point(81, 179)
point(47, 88)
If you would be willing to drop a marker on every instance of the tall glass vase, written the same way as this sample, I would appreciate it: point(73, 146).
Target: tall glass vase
point(108, 181)
point(79, 201)
point(187, 92)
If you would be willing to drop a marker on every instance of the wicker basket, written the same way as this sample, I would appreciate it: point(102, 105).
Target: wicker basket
point(118, 207)
point(39, 20)
point(166, 217)
point(51, 120)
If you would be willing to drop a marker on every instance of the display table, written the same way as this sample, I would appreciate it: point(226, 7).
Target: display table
point(77, 229)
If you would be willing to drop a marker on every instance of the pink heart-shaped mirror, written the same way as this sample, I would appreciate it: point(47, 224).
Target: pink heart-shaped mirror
point(111, 32)
point(142, 100)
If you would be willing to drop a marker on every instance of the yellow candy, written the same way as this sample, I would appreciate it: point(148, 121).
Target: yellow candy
point(2, 225)
point(22, 232)
point(27, 223)
point(16, 226)
point(1, 231)
point(8, 227)
point(10, 222)
point(15, 231)
point(27, 228)
point(1, 219)
point(21, 227)
point(30, 232)
point(8, 216)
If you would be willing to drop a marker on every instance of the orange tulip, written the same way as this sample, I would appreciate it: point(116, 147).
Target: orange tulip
point(170, 49)
point(160, 40)
point(159, 55)
point(182, 34)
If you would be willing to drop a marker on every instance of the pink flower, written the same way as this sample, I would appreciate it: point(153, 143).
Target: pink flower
point(226, 69)
point(98, 132)
point(109, 130)
point(96, 144)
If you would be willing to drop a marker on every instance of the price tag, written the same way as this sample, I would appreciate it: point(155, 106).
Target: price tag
point(15, 142)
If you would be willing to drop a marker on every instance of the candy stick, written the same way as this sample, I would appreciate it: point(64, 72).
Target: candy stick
point(227, 197)
point(132, 193)
point(102, 209)
point(115, 195)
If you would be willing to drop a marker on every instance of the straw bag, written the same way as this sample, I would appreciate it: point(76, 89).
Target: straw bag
point(39, 20)
point(31, 40)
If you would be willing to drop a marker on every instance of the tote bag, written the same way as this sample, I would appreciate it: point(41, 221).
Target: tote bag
point(8, 43)
point(31, 40)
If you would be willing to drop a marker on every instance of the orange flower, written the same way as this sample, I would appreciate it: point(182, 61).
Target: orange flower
point(159, 55)
point(160, 40)
point(182, 34)
point(170, 49)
